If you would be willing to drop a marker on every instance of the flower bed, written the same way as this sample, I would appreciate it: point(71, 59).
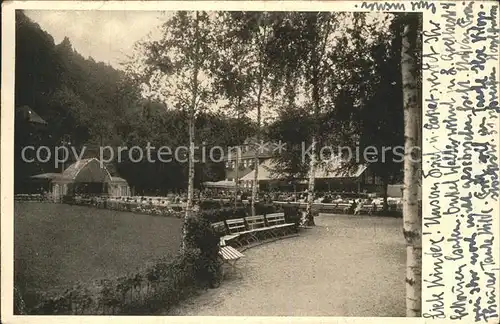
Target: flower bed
point(32, 197)
point(130, 204)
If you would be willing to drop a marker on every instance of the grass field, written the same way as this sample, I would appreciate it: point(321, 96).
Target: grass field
point(57, 245)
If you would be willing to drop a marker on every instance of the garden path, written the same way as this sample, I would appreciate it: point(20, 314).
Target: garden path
point(344, 266)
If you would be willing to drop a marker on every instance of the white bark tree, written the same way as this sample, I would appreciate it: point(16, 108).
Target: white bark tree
point(316, 55)
point(249, 34)
point(412, 228)
point(176, 68)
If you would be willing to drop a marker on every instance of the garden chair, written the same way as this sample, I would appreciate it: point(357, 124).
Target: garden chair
point(230, 256)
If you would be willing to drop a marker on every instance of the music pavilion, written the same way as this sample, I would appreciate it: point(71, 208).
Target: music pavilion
point(83, 177)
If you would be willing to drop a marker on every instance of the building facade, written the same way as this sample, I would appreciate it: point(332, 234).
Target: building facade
point(240, 161)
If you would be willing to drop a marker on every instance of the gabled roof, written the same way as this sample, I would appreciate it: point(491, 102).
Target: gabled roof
point(248, 150)
point(30, 115)
point(87, 170)
point(265, 172)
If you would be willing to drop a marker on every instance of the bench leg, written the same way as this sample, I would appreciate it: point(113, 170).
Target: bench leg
point(250, 238)
point(289, 230)
point(235, 269)
point(273, 233)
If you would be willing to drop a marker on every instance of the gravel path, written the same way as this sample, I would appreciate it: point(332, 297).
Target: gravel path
point(345, 266)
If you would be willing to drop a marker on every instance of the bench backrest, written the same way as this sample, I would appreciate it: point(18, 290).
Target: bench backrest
point(236, 225)
point(255, 221)
point(219, 227)
point(275, 219)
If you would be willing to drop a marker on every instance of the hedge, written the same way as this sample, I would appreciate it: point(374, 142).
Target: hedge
point(222, 214)
point(32, 197)
point(143, 207)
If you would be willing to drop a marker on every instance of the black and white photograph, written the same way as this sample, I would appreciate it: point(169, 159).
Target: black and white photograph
point(217, 163)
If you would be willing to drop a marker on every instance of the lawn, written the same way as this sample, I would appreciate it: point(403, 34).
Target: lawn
point(57, 245)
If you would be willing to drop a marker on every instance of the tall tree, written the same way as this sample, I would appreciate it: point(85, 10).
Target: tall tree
point(307, 41)
point(245, 72)
point(178, 65)
point(368, 108)
point(68, 91)
point(412, 227)
point(233, 72)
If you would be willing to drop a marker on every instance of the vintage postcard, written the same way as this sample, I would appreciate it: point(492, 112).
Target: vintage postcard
point(253, 161)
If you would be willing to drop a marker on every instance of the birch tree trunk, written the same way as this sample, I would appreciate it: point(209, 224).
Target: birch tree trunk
point(255, 186)
point(308, 218)
point(412, 228)
point(237, 176)
point(191, 122)
point(238, 152)
point(315, 97)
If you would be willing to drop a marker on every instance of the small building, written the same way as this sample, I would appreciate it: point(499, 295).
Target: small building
point(27, 115)
point(330, 177)
point(396, 191)
point(240, 161)
point(84, 177)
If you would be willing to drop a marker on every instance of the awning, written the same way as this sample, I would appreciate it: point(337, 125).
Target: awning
point(118, 180)
point(330, 170)
point(47, 176)
point(220, 184)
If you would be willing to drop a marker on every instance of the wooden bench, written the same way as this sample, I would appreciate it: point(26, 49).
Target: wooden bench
point(370, 208)
point(230, 256)
point(279, 225)
point(256, 225)
point(220, 228)
point(236, 227)
point(364, 210)
point(339, 207)
point(251, 229)
point(378, 207)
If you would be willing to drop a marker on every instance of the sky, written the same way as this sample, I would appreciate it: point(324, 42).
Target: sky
point(106, 36)
point(109, 36)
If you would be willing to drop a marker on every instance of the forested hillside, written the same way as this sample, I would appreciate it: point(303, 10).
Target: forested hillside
point(89, 103)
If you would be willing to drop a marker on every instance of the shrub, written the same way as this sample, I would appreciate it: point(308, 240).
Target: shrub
point(68, 199)
point(210, 204)
point(292, 214)
point(201, 235)
point(266, 208)
point(221, 214)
